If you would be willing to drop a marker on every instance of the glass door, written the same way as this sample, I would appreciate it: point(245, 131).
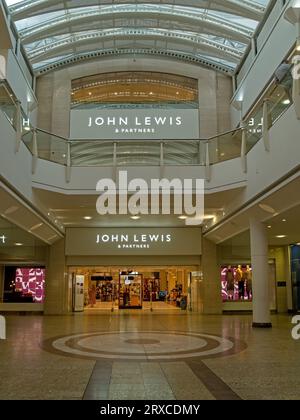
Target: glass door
point(131, 291)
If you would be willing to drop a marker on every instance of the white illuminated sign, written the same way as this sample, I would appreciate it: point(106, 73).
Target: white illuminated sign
point(134, 124)
point(141, 241)
point(2, 239)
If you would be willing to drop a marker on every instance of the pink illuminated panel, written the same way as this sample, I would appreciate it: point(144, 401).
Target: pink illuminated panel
point(31, 282)
point(236, 283)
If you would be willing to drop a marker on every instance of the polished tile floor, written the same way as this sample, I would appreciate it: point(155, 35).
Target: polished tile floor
point(139, 355)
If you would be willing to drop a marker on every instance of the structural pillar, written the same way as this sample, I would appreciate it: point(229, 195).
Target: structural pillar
point(260, 281)
point(210, 285)
point(56, 301)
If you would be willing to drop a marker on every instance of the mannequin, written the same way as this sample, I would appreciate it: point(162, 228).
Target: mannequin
point(230, 283)
point(241, 282)
point(249, 282)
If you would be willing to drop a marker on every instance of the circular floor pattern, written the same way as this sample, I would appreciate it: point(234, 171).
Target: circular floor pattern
point(146, 345)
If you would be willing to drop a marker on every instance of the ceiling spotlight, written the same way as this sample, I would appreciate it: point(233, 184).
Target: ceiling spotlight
point(87, 218)
point(269, 227)
point(18, 244)
point(182, 217)
point(135, 217)
point(286, 102)
point(90, 93)
point(281, 236)
point(284, 220)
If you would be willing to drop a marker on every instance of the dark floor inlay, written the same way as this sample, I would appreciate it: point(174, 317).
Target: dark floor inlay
point(216, 386)
point(98, 386)
point(142, 341)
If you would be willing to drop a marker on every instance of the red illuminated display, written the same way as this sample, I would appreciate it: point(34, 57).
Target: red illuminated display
point(31, 282)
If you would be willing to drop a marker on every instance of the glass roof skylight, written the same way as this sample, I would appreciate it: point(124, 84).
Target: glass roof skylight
point(52, 30)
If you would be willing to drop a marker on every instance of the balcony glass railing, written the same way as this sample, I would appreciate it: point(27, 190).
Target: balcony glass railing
point(151, 153)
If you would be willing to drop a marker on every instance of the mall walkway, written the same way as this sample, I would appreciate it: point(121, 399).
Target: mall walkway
point(140, 355)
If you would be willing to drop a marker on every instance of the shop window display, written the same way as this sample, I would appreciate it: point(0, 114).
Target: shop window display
point(236, 283)
point(24, 284)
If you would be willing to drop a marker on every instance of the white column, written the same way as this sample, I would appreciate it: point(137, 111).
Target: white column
point(260, 281)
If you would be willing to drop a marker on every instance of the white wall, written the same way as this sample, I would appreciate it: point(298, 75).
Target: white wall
point(14, 167)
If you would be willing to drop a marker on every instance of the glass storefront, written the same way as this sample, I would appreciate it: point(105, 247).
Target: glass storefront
point(117, 288)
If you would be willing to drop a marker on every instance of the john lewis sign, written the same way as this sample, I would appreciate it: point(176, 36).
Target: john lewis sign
point(134, 124)
point(133, 241)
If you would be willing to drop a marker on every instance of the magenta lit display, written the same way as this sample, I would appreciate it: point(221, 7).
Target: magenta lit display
point(31, 282)
point(236, 283)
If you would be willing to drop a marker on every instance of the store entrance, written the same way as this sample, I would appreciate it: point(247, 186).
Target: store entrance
point(118, 288)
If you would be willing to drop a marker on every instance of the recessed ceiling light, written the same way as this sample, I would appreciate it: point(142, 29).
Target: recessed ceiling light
point(18, 244)
point(135, 217)
point(87, 218)
point(269, 227)
point(90, 93)
point(286, 102)
point(26, 128)
point(284, 220)
point(182, 217)
point(281, 236)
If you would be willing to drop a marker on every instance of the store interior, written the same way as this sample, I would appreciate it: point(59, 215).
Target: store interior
point(118, 288)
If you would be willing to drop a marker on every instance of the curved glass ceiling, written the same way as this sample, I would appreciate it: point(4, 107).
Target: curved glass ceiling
point(214, 32)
